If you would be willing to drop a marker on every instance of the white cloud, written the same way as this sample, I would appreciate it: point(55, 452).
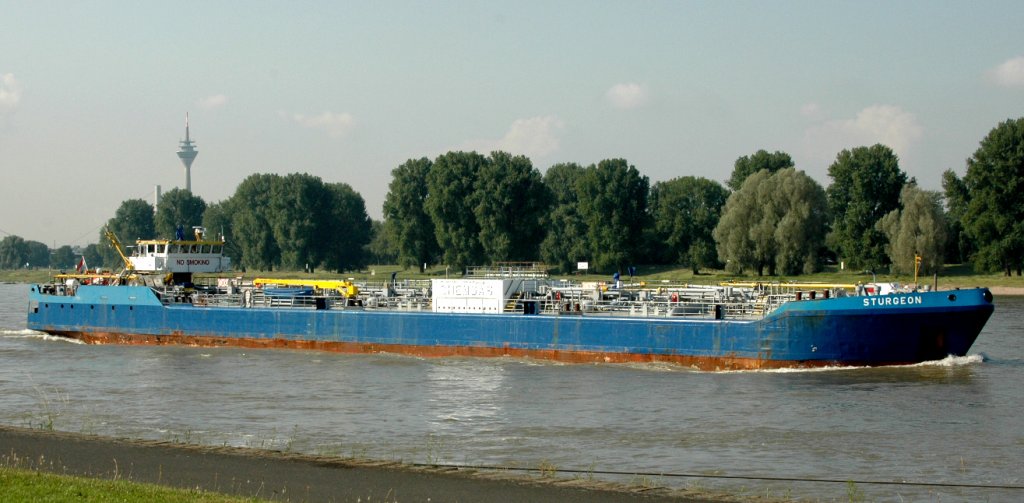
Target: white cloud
point(10, 91)
point(886, 124)
point(1010, 73)
point(626, 96)
point(535, 137)
point(810, 110)
point(337, 125)
point(212, 102)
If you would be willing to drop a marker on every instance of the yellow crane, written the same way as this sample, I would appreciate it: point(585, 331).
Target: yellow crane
point(343, 287)
point(116, 243)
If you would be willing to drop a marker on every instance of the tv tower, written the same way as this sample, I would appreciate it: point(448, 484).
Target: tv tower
point(187, 154)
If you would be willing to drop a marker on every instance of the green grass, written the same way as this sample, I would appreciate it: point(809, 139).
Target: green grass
point(25, 275)
point(951, 276)
point(30, 485)
point(955, 275)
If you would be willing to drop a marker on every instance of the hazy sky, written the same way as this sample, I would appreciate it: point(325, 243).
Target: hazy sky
point(93, 94)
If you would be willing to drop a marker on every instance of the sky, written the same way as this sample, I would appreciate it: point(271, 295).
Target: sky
point(93, 94)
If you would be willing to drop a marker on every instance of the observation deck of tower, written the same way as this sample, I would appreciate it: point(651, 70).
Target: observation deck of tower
point(187, 154)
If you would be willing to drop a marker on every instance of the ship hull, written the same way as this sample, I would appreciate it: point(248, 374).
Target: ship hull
point(886, 330)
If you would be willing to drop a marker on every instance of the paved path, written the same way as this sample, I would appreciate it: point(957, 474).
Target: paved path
point(285, 477)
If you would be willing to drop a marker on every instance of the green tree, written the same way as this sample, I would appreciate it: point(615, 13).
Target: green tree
point(132, 221)
point(959, 246)
point(510, 200)
point(407, 224)
point(613, 206)
point(348, 229)
point(13, 252)
point(685, 212)
point(748, 165)
point(293, 222)
point(775, 221)
point(451, 184)
point(217, 220)
point(92, 255)
point(565, 243)
point(866, 185)
point(38, 254)
point(63, 258)
point(919, 228)
point(178, 207)
point(299, 207)
point(381, 249)
point(250, 222)
point(994, 216)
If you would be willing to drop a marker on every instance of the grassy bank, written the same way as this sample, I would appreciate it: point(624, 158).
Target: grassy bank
point(32, 485)
point(961, 276)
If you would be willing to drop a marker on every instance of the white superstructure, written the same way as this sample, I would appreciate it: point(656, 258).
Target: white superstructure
point(180, 256)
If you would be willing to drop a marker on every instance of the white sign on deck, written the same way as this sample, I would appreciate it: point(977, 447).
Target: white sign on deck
point(468, 295)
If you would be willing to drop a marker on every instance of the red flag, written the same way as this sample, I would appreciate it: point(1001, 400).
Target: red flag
point(82, 267)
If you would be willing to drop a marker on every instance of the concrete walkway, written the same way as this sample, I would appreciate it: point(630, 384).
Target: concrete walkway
point(287, 477)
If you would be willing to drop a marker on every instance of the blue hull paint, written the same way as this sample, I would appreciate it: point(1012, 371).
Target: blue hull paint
point(891, 329)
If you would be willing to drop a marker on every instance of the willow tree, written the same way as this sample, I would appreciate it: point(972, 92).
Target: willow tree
point(775, 222)
point(918, 229)
point(762, 159)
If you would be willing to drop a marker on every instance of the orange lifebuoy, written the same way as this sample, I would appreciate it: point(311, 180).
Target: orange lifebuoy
point(675, 297)
point(558, 295)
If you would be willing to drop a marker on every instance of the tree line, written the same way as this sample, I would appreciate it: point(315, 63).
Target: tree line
point(465, 208)
point(292, 222)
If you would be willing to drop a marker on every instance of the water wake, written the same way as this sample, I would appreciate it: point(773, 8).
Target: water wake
point(948, 362)
point(32, 334)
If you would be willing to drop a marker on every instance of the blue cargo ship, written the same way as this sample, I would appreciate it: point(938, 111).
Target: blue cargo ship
point(517, 312)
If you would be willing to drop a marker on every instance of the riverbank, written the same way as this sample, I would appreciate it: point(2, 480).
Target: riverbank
point(953, 276)
point(999, 291)
point(281, 476)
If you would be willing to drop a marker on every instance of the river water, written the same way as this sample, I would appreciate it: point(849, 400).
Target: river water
point(959, 421)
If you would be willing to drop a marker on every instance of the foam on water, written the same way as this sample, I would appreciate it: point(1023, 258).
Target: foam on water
point(952, 361)
point(32, 334)
point(22, 332)
point(949, 361)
